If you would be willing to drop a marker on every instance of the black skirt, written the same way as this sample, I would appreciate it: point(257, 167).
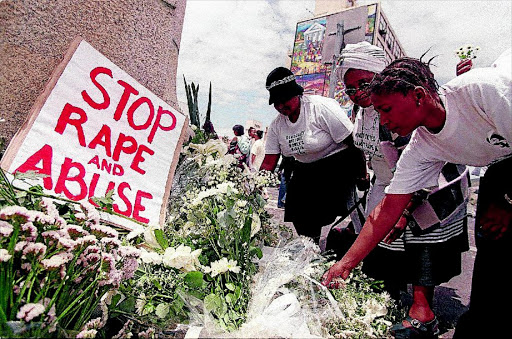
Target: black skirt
point(318, 192)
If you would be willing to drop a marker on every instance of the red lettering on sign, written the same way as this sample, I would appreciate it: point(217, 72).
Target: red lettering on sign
point(103, 138)
point(128, 90)
point(134, 107)
point(106, 98)
point(64, 177)
point(120, 146)
point(139, 207)
point(138, 158)
point(161, 112)
point(128, 204)
point(44, 155)
point(65, 119)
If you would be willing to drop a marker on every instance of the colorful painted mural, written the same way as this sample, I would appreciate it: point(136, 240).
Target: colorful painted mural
point(307, 49)
point(370, 23)
point(314, 83)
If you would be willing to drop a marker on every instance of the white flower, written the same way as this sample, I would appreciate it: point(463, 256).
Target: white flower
point(222, 265)
point(87, 334)
point(374, 309)
point(4, 255)
point(150, 257)
point(181, 257)
point(141, 302)
point(255, 224)
point(150, 238)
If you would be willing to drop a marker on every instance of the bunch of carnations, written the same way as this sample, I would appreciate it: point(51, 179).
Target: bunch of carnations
point(58, 265)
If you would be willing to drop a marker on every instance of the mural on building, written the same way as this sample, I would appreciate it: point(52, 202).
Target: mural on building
point(370, 23)
point(307, 50)
point(313, 83)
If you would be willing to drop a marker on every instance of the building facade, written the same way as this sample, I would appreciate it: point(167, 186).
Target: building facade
point(318, 42)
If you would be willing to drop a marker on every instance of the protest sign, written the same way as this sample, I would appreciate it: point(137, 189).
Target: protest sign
point(95, 129)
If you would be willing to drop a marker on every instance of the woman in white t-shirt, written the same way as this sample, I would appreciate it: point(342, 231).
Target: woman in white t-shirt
point(467, 121)
point(316, 132)
point(441, 248)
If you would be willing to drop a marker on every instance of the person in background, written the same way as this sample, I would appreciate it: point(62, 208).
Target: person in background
point(240, 146)
point(257, 151)
point(285, 173)
point(466, 121)
point(316, 132)
point(440, 249)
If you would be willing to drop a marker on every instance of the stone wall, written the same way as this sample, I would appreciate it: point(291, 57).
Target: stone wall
point(140, 36)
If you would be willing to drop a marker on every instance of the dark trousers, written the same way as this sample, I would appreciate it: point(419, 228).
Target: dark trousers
point(491, 294)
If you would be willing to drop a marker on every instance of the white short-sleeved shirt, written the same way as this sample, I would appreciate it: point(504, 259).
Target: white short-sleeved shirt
point(477, 130)
point(366, 137)
point(258, 149)
point(318, 132)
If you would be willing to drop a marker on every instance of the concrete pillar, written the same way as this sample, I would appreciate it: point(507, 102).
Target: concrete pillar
point(140, 36)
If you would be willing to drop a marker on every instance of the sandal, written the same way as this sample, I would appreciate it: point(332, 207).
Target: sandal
point(418, 330)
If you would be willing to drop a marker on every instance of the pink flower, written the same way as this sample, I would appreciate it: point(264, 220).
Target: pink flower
point(37, 249)
point(11, 212)
point(30, 311)
point(76, 231)
point(101, 231)
point(92, 213)
point(130, 265)
point(88, 240)
point(20, 246)
point(4, 255)
point(110, 243)
point(5, 228)
point(66, 243)
point(57, 260)
point(30, 230)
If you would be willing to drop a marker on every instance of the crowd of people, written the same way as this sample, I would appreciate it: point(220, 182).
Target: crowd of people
point(248, 149)
point(408, 148)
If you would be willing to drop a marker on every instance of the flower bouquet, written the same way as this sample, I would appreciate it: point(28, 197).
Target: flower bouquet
point(206, 251)
point(58, 265)
point(467, 52)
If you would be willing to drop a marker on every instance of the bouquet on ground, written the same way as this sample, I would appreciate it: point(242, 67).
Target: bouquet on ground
point(206, 253)
point(58, 264)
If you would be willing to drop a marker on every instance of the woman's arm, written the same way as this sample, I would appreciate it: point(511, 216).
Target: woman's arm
point(270, 162)
point(377, 226)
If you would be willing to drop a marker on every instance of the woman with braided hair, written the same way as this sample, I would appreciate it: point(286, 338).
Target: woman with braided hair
point(432, 258)
point(466, 121)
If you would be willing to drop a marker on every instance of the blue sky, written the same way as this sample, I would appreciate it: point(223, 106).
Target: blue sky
point(235, 44)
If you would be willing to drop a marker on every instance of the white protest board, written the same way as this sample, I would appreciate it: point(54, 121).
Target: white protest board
point(94, 129)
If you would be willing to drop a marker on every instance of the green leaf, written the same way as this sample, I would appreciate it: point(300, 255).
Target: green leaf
point(230, 286)
point(215, 304)
point(246, 230)
point(160, 238)
point(230, 298)
point(156, 283)
point(256, 251)
point(194, 279)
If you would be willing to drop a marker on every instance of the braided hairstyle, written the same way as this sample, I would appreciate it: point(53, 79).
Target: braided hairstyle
point(403, 75)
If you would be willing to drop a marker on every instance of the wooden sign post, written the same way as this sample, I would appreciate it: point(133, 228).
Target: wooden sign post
point(96, 129)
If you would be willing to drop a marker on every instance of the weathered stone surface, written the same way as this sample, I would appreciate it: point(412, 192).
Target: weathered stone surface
point(141, 37)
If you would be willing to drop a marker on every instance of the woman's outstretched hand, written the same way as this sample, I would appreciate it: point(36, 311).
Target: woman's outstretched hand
point(340, 269)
